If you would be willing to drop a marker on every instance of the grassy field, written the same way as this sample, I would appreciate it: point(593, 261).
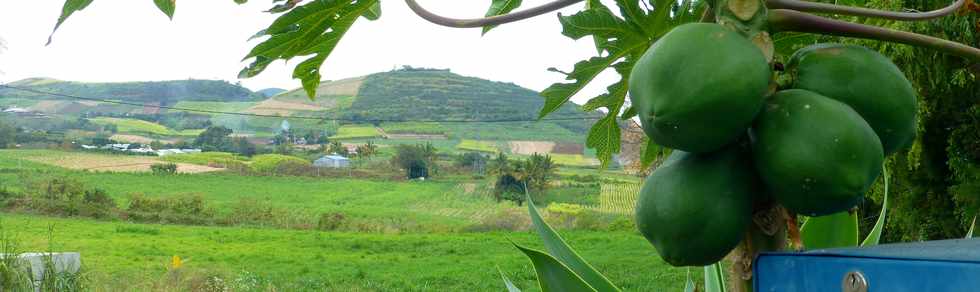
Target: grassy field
point(144, 127)
point(329, 261)
point(414, 128)
point(573, 160)
point(356, 132)
point(480, 146)
point(424, 243)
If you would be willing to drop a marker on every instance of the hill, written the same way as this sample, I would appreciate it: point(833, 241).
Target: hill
point(163, 92)
point(401, 97)
point(270, 92)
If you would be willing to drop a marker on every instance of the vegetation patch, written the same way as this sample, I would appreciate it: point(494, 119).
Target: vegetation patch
point(574, 160)
point(270, 163)
point(135, 126)
point(480, 146)
point(356, 132)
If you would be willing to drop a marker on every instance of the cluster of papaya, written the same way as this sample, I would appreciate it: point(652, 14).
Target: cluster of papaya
point(815, 146)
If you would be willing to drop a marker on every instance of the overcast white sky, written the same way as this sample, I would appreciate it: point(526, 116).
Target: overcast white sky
point(126, 40)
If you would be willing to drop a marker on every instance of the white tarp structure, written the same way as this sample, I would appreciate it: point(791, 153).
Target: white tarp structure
point(332, 161)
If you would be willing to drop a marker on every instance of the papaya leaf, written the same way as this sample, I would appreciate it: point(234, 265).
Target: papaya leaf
point(70, 7)
point(507, 283)
point(689, 286)
point(651, 151)
point(629, 113)
point(834, 230)
point(636, 15)
point(500, 7)
point(714, 278)
point(552, 274)
point(875, 235)
point(620, 41)
point(558, 248)
point(374, 13)
point(241, 1)
point(311, 29)
point(604, 137)
point(969, 234)
point(599, 42)
point(167, 7)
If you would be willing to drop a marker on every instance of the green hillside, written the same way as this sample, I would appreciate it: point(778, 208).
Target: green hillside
point(399, 97)
point(166, 92)
point(429, 94)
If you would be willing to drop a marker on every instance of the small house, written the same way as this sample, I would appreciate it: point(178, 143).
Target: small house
point(332, 161)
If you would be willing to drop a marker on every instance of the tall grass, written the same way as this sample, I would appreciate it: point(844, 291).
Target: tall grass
point(13, 275)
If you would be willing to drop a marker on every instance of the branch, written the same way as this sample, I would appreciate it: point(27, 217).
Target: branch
point(807, 6)
point(791, 20)
point(488, 21)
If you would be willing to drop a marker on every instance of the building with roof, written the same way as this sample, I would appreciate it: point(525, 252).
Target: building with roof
point(332, 161)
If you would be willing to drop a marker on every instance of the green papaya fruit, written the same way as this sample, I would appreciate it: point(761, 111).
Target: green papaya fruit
point(816, 155)
point(698, 87)
point(695, 207)
point(865, 80)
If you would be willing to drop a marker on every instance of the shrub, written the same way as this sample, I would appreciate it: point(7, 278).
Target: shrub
point(330, 221)
point(59, 189)
point(164, 168)
point(99, 197)
point(269, 163)
point(503, 220)
point(183, 209)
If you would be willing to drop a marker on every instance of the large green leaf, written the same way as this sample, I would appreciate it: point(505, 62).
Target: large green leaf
point(651, 151)
point(689, 286)
point(604, 137)
point(500, 7)
point(167, 7)
point(553, 275)
point(599, 41)
point(558, 248)
point(374, 13)
point(834, 230)
point(507, 283)
point(70, 7)
point(969, 234)
point(714, 278)
point(311, 29)
point(875, 235)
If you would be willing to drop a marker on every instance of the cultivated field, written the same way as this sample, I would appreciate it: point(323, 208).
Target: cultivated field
point(347, 132)
point(134, 126)
point(531, 147)
point(99, 162)
point(479, 146)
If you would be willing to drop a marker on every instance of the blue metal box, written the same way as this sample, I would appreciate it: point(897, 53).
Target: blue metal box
point(945, 265)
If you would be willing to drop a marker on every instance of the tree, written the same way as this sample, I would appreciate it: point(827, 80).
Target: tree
point(8, 135)
point(515, 179)
point(338, 148)
point(416, 160)
point(367, 150)
point(214, 139)
point(242, 146)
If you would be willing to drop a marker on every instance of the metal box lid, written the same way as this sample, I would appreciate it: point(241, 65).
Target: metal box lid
point(953, 250)
point(945, 265)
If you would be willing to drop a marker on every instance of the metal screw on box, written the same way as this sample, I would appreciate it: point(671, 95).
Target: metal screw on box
point(854, 281)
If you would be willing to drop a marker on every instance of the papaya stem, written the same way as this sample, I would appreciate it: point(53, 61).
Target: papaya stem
point(791, 20)
point(818, 7)
point(488, 21)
